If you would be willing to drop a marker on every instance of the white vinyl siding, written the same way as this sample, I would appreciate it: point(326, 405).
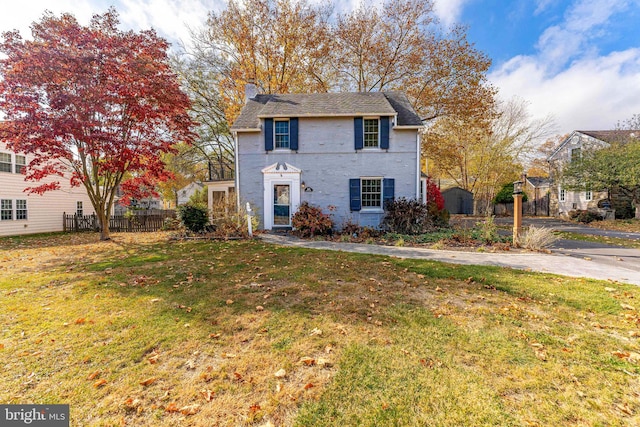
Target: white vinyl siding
point(22, 213)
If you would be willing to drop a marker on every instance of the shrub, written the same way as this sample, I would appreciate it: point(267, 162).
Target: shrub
point(229, 222)
point(407, 216)
point(584, 216)
point(434, 195)
point(194, 217)
point(537, 238)
point(311, 221)
point(505, 195)
point(486, 231)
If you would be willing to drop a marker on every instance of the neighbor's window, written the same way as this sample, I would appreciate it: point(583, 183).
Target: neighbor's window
point(6, 209)
point(371, 193)
point(5, 162)
point(21, 163)
point(21, 209)
point(371, 133)
point(562, 194)
point(79, 210)
point(588, 194)
point(576, 154)
point(281, 129)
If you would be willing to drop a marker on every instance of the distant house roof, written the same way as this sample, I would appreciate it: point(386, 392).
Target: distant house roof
point(538, 182)
point(606, 136)
point(610, 136)
point(327, 105)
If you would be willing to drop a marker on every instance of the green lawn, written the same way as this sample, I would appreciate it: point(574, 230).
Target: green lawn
point(614, 241)
point(145, 331)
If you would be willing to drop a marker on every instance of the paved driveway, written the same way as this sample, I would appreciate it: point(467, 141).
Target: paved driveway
point(569, 258)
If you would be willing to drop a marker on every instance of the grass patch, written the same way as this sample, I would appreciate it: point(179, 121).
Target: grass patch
point(149, 332)
point(614, 241)
point(628, 225)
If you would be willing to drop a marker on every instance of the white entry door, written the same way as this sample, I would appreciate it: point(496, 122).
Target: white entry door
point(281, 194)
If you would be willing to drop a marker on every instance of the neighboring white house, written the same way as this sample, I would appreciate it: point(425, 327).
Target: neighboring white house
point(185, 193)
point(347, 153)
point(562, 201)
point(23, 213)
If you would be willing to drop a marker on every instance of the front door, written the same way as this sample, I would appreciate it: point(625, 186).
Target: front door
point(281, 205)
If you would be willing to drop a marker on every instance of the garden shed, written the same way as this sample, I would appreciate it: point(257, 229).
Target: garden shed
point(458, 201)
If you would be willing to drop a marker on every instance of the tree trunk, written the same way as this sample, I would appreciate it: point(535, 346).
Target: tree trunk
point(103, 218)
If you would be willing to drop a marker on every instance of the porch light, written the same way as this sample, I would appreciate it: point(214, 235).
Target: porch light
point(517, 187)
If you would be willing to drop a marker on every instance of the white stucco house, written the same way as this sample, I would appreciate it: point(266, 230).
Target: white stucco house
point(23, 213)
point(562, 200)
point(347, 153)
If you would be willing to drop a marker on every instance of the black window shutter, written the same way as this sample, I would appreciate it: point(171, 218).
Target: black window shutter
point(354, 194)
point(359, 133)
point(388, 190)
point(293, 134)
point(384, 133)
point(268, 134)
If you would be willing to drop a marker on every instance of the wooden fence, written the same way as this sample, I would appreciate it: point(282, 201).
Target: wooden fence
point(117, 223)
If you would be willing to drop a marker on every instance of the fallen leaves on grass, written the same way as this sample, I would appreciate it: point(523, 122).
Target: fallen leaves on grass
point(148, 381)
point(630, 356)
point(190, 409)
point(308, 361)
point(100, 383)
point(207, 394)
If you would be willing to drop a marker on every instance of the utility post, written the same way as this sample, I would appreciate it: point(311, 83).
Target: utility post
point(517, 210)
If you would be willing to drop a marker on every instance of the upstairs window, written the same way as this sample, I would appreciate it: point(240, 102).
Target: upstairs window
point(588, 194)
point(562, 195)
point(21, 163)
point(281, 128)
point(576, 154)
point(5, 162)
point(371, 133)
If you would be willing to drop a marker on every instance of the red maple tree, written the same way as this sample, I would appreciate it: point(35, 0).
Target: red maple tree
point(91, 103)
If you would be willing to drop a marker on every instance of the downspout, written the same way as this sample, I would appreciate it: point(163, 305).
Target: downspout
point(418, 177)
point(237, 167)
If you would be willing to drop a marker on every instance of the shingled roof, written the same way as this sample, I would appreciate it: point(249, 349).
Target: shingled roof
point(611, 136)
point(327, 105)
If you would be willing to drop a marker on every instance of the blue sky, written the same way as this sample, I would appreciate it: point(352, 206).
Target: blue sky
point(575, 60)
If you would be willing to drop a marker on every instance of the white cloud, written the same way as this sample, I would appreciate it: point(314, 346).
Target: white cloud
point(20, 15)
point(448, 11)
point(569, 78)
point(584, 22)
point(170, 18)
point(592, 94)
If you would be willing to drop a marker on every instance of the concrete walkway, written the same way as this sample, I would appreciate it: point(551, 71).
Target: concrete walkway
point(587, 264)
